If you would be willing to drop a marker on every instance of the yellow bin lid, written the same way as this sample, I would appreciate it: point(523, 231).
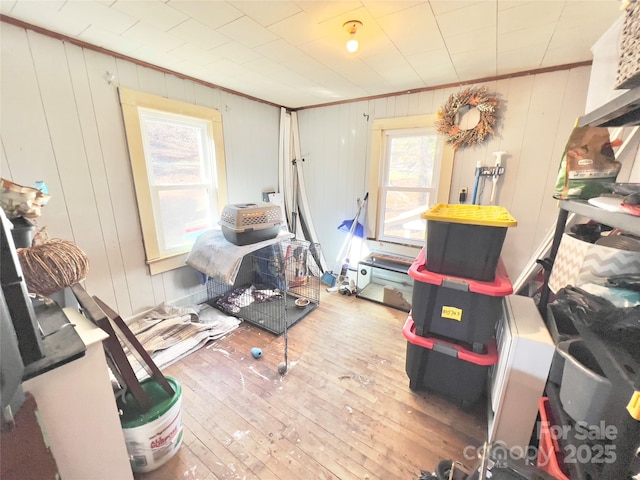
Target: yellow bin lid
point(485, 215)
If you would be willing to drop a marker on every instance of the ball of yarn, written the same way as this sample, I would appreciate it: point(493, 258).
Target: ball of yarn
point(51, 265)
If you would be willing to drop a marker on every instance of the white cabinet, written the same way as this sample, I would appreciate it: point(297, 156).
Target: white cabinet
point(517, 381)
point(78, 410)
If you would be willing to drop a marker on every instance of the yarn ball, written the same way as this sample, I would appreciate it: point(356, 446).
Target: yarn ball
point(52, 265)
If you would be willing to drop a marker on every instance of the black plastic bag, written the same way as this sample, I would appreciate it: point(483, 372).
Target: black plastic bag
point(599, 314)
point(628, 281)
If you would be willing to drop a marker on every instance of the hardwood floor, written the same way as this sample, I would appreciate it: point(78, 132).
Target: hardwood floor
point(343, 410)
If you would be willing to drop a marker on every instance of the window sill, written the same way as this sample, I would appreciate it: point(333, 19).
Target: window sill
point(165, 264)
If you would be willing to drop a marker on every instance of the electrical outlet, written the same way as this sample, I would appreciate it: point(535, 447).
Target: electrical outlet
point(462, 197)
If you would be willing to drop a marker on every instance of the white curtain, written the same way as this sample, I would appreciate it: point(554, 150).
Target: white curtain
point(292, 185)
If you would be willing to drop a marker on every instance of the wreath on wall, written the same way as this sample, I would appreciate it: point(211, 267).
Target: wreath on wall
point(474, 97)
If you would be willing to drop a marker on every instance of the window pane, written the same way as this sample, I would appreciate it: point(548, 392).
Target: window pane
point(175, 152)
point(178, 165)
point(184, 214)
point(402, 215)
point(411, 160)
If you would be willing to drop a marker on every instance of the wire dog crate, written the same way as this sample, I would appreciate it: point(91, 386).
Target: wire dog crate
point(274, 288)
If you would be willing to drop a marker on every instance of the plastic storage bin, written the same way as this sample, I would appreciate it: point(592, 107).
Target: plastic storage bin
point(466, 240)
point(457, 308)
point(561, 329)
point(584, 390)
point(550, 455)
point(446, 367)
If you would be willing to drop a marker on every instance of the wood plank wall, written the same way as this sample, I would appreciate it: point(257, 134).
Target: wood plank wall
point(61, 123)
point(536, 116)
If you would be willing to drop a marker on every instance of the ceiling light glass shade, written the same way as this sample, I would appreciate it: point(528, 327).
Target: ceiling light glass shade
point(352, 28)
point(352, 45)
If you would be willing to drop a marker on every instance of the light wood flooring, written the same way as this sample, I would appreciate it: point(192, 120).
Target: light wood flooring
point(343, 410)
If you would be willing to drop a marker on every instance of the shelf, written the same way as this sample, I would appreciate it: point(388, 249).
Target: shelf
point(61, 342)
point(623, 221)
point(620, 365)
point(625, 431)
point(623, 110)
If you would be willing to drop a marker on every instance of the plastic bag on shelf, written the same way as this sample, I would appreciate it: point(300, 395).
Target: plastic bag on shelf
point(629, 281)
point(620, 325)
point(619, 297)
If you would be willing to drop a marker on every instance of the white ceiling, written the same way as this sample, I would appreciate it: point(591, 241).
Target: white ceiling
point(292, 53)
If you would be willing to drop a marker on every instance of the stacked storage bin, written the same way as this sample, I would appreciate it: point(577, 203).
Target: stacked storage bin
point(458, 291)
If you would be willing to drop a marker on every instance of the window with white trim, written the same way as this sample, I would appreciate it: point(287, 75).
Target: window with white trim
point(177, 158)
point(411, 171)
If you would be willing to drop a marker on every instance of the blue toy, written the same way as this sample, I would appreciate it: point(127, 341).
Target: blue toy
point(256, 352)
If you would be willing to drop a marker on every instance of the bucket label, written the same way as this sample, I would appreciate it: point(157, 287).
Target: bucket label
point(161, 443)
point(452, 313)
point(162, 440)
point(152, 444)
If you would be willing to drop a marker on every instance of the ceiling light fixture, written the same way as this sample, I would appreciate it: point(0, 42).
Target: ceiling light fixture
point(352, 27)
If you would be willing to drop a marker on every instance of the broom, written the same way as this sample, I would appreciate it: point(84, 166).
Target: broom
point(329, 278)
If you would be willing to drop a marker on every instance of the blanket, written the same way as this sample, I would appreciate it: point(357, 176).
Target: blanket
point(170, 333)
point(219, 259)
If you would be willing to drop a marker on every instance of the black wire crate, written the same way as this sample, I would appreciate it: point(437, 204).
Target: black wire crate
point(276, 286)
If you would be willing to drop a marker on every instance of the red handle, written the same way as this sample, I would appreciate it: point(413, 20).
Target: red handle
point(486, 359)
point(500, 287)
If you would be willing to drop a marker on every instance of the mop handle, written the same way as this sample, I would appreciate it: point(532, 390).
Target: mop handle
point(477, 181)
point(496, 175)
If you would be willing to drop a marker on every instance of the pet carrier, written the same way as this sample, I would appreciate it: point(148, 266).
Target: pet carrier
point(274, 288)
point(246, 223)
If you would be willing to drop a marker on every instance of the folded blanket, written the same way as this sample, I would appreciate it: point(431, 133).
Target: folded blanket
point(170, 333)
point(216, 257)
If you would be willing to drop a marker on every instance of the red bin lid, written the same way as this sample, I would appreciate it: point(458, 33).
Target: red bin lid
point(500, 286)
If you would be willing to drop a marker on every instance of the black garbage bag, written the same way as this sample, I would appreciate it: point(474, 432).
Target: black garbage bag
point(599, 314)
point(629, 281)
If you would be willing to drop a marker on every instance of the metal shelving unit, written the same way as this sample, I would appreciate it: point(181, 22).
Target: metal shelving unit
point(620, 366)
point(621, 111)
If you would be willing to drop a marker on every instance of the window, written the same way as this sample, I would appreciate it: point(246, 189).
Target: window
point(411, 171)
point(177, 159)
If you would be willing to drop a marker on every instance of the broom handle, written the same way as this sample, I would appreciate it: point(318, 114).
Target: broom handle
point(347, 241)
point(354, 226)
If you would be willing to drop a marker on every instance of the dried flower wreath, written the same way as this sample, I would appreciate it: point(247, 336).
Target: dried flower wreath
point(476, 97)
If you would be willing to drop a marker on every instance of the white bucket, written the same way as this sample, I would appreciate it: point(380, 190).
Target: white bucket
point(154, 437)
